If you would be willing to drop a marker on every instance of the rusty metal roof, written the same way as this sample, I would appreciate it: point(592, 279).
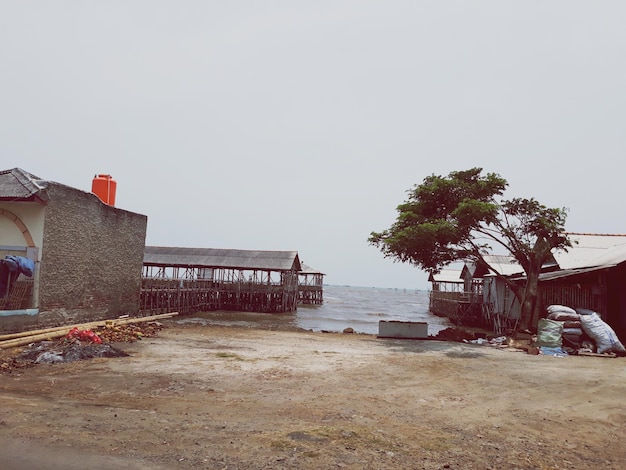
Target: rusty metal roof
point(19, 185)
point(221, 258)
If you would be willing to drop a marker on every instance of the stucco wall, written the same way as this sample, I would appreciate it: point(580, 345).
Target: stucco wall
point(31, 215)
point(91, 258)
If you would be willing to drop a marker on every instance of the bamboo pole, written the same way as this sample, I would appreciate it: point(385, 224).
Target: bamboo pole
point(83, 326)
point(23, 334)
point(57, 332)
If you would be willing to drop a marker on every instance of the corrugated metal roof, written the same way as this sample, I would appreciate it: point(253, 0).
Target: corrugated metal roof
point(568, 273)
point(592, 250)
point(19, 185)
point(504, 265)
point(562, 273)
point(221, 258)
point(306, 269)
point(588, 252)
point(447, 275)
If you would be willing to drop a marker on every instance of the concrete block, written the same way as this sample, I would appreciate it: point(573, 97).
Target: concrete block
point(402, 329)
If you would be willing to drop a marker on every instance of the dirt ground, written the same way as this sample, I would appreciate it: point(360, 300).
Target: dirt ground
point(209, 397)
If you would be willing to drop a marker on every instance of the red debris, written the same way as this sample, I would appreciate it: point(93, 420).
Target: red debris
point(84, 335)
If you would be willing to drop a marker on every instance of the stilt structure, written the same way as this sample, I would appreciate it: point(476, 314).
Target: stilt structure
point(451, 298)
point(310, 286)
point(189, 280)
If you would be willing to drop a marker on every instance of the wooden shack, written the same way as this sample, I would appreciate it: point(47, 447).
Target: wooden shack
point(310, 286)
point(189, 280)
point(454, 296)
point(446, 291)
point(590, 274)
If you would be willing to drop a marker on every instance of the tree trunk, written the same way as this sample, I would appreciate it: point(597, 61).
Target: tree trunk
point(529, 302)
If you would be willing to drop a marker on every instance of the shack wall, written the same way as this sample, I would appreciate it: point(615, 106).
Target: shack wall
point(616, 300)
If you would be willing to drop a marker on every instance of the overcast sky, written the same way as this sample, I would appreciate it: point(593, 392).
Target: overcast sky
point(300, 125)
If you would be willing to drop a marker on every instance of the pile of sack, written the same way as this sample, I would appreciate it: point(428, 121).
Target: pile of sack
point(577, 329)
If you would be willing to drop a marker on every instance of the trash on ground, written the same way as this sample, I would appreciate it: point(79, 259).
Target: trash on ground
point(564, 331)
point(83, 335)
point(79, 345)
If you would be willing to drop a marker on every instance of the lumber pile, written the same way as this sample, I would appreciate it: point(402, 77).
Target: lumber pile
point(27, 337)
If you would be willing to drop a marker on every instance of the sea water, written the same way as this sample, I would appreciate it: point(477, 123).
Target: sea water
point(359, 308)
point(362, 308)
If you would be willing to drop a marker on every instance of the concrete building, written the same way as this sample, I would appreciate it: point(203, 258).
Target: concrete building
point(88, 255)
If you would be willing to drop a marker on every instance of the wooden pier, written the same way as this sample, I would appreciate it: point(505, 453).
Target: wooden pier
point(310, 286)
point(455, 298)
point(189, 280)
point(188, 296)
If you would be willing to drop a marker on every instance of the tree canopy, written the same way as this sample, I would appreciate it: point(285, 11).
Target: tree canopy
point(462, 217)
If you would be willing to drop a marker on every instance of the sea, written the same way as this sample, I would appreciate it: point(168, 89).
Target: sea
point(362, 308)
point(359, 308)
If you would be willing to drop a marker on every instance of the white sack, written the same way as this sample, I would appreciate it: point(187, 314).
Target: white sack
point(563, 316)
point(602, 334)
point(559, 308)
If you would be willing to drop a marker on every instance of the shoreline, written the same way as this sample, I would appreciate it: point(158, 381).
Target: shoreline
point(198, 397)
point(288, 321)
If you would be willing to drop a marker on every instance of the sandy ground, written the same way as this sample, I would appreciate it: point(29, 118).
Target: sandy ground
point(239, 398)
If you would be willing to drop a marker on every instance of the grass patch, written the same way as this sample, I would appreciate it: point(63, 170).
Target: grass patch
point(228, 355)
point(347, 436)
point(282, 445)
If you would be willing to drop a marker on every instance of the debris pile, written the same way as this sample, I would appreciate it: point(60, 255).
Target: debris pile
point(83, 335)
point(564, 331)
point(67, 350)
point(128, 333)
point(79, 344)
point(9, 364)
point(459, 334)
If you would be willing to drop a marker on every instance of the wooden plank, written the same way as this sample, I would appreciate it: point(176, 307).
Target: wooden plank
point(592, 354)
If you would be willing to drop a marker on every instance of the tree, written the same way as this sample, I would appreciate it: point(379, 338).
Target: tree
point(462, 217)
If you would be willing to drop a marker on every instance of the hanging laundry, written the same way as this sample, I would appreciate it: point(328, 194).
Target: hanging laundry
point(20, 264)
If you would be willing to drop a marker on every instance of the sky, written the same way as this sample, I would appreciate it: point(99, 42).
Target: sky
point(301, 125)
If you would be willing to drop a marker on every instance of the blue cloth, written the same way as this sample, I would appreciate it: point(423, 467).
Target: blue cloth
point(558, 352)
point(20, 264)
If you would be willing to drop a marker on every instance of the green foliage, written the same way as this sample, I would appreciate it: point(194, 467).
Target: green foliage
point(462, 217)
point(435, 225)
